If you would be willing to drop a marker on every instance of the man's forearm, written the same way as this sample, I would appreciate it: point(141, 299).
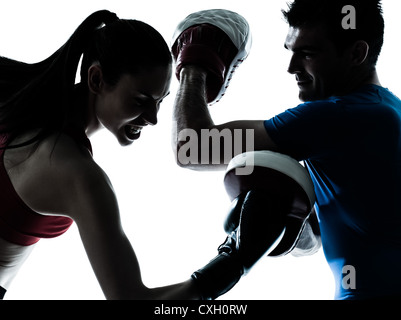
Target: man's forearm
point(191, 116)
point(190, 107)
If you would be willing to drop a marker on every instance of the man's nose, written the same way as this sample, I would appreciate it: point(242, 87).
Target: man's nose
point(294, 67)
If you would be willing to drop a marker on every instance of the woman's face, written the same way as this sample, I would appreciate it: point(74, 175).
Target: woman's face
point(133, 103)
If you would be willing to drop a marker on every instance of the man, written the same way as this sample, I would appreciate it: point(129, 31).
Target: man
point(347, 131)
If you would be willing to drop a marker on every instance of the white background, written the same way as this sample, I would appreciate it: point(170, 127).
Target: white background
point(174, 216)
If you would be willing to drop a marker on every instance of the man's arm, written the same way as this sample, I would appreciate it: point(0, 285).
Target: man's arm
point(192, 116)
point(197, 141)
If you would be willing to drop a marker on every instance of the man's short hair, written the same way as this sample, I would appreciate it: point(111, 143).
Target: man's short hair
point(329, 13)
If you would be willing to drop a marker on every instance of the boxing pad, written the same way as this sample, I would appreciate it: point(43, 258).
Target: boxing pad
point(286, 185)
point(216, 40)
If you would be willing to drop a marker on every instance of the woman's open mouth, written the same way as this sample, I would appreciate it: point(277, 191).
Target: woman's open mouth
point(133, 132)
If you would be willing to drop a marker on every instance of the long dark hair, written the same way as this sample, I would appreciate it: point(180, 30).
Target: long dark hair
point(41, 95)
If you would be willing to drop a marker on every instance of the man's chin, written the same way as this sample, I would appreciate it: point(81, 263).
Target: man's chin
point(306, 97)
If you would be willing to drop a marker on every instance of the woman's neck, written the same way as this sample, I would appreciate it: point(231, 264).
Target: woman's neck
point(85, 116)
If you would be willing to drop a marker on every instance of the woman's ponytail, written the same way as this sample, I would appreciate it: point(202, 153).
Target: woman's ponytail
point(72, 51)
point(42, 95)
point(39, 95)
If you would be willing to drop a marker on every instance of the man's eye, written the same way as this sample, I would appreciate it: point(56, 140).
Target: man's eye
point(308, 55)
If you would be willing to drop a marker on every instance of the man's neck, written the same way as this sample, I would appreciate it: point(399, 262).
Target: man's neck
point(359, 80)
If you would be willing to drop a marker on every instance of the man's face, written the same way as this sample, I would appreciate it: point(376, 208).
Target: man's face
point(318, 68)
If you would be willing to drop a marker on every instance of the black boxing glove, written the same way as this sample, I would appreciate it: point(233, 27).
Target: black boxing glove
point(221, 273)
point(256, 235)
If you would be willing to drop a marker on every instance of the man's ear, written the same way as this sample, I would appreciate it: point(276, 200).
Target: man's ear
point(359, 52)
point(95, 78)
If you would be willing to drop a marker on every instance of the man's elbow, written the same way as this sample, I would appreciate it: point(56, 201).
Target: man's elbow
point(312, 249)
point(309, 241)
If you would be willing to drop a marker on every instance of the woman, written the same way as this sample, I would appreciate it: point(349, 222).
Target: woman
point(48, 177)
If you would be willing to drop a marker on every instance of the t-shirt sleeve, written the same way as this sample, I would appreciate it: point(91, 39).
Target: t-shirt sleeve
point(307, 131)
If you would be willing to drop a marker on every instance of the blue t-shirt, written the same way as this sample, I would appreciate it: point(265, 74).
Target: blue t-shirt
point(352, 148)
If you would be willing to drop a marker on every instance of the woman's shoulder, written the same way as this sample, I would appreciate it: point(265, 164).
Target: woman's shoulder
point(65, 158)
point(34, 145)
point(64, 146)
point(46, 176)
point(78, 182)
